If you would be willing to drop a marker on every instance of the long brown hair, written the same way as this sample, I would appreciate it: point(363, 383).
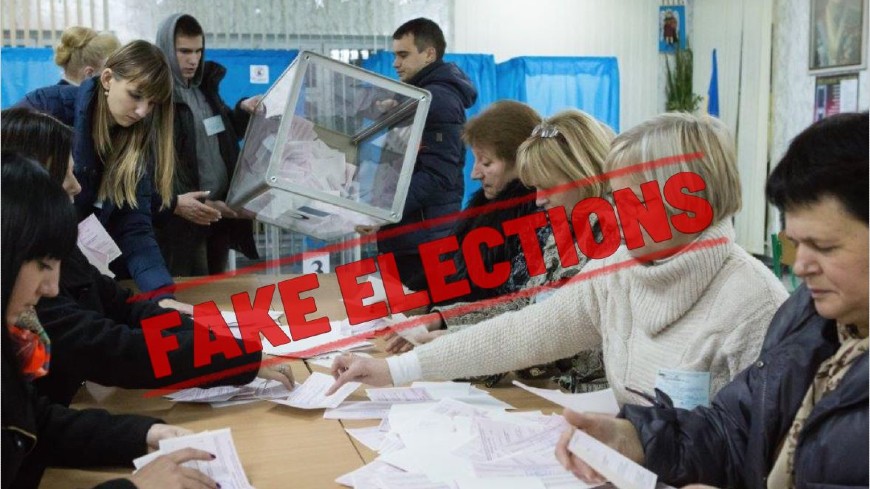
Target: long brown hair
point(125, 150)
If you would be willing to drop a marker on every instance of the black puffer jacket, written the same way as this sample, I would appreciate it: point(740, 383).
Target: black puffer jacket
point(522, 203)
point(37, 433)
point(239, 231)
point(437, 184)
point(96, 335)
point(734, 443)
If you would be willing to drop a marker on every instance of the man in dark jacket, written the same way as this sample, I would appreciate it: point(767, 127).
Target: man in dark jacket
point(437, 184)
point(207, 137)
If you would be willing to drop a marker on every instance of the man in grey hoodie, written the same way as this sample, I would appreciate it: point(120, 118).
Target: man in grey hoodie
point(207, 134)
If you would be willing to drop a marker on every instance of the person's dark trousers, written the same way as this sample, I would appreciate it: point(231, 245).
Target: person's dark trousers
point(184, 247)
point(411, 271)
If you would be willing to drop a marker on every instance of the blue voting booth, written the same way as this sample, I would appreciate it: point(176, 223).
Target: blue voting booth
point(26, 69)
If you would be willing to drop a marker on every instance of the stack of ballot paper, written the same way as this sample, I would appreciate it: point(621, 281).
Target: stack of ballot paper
point(455, 445)
point(226, 469)
point(312, 394)
point(231, 395)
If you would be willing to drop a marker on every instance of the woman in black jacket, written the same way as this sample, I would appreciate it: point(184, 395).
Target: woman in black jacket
point(38, 231)
point(798, 416)
point(94, 326)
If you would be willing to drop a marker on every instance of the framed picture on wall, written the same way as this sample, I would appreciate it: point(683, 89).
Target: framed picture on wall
point(835, 94)
point(672, 28)
point(838, 35)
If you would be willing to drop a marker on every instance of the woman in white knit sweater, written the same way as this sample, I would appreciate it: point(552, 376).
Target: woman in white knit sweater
point(665, 313)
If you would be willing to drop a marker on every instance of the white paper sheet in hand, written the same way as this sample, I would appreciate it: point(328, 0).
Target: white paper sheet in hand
point(226, 469)
point(96, 244)
point(311, 394)
point(616, 467)
point(602, 401)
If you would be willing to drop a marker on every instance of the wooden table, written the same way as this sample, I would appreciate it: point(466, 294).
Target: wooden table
point(279, 446)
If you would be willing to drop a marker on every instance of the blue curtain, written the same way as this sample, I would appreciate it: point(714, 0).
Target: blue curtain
point(552, 84)
point(238, 62)
point(480, 68)
point(26, 69)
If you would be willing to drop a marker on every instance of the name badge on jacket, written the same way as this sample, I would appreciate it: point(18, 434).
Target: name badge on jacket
point(687, 389)
point(214, 125)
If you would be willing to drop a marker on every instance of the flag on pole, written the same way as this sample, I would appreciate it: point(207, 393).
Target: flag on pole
point(713, 91)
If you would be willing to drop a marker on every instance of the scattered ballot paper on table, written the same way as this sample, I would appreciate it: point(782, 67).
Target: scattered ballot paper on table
point(226, 469)
point(621, 471)
point(453, 444)
point(256, 390)
point(334, 340)
point(602, 401)
point(312, 393)
point(96, 244)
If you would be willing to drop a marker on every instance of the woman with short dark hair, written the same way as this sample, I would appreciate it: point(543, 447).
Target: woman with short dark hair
point(38, 232)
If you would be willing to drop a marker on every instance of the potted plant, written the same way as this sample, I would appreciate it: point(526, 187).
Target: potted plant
point(680, 97)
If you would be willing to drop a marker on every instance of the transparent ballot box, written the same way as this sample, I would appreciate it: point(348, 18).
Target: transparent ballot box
point(330, 146)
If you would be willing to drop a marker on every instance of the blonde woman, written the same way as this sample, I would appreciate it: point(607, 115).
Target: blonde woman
point(124, 155)
point(693, 306)
point(82, 53)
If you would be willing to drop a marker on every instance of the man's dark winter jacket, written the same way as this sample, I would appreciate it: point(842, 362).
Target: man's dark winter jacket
point(437, 184)
point(240, 231)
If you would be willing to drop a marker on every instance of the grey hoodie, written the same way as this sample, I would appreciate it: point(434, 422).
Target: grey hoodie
point(210, 165)
point(166, 43)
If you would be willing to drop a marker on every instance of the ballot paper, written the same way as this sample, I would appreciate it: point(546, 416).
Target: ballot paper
point(365, 475)
point(334, 340)
point(602, 401)
point(359, 410)
point(226, 469)
point(256, 390)
point(501, 483)
point(405, 480)
point(312, 393)
point(453, 444)
point(328, 359)
point(399, 394)
point(372, 437)
point(230, 317)
point(616, 467)
point(96, 244)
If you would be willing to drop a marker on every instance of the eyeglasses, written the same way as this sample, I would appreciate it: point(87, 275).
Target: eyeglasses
point(545, 130)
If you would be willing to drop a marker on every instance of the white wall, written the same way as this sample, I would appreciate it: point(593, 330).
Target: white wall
point(793, 87)
point(626, 29)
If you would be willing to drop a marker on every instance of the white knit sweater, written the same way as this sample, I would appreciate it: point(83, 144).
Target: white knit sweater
point(704, 309)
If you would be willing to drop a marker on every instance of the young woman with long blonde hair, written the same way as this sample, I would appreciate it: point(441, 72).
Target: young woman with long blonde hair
point(124, 155)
